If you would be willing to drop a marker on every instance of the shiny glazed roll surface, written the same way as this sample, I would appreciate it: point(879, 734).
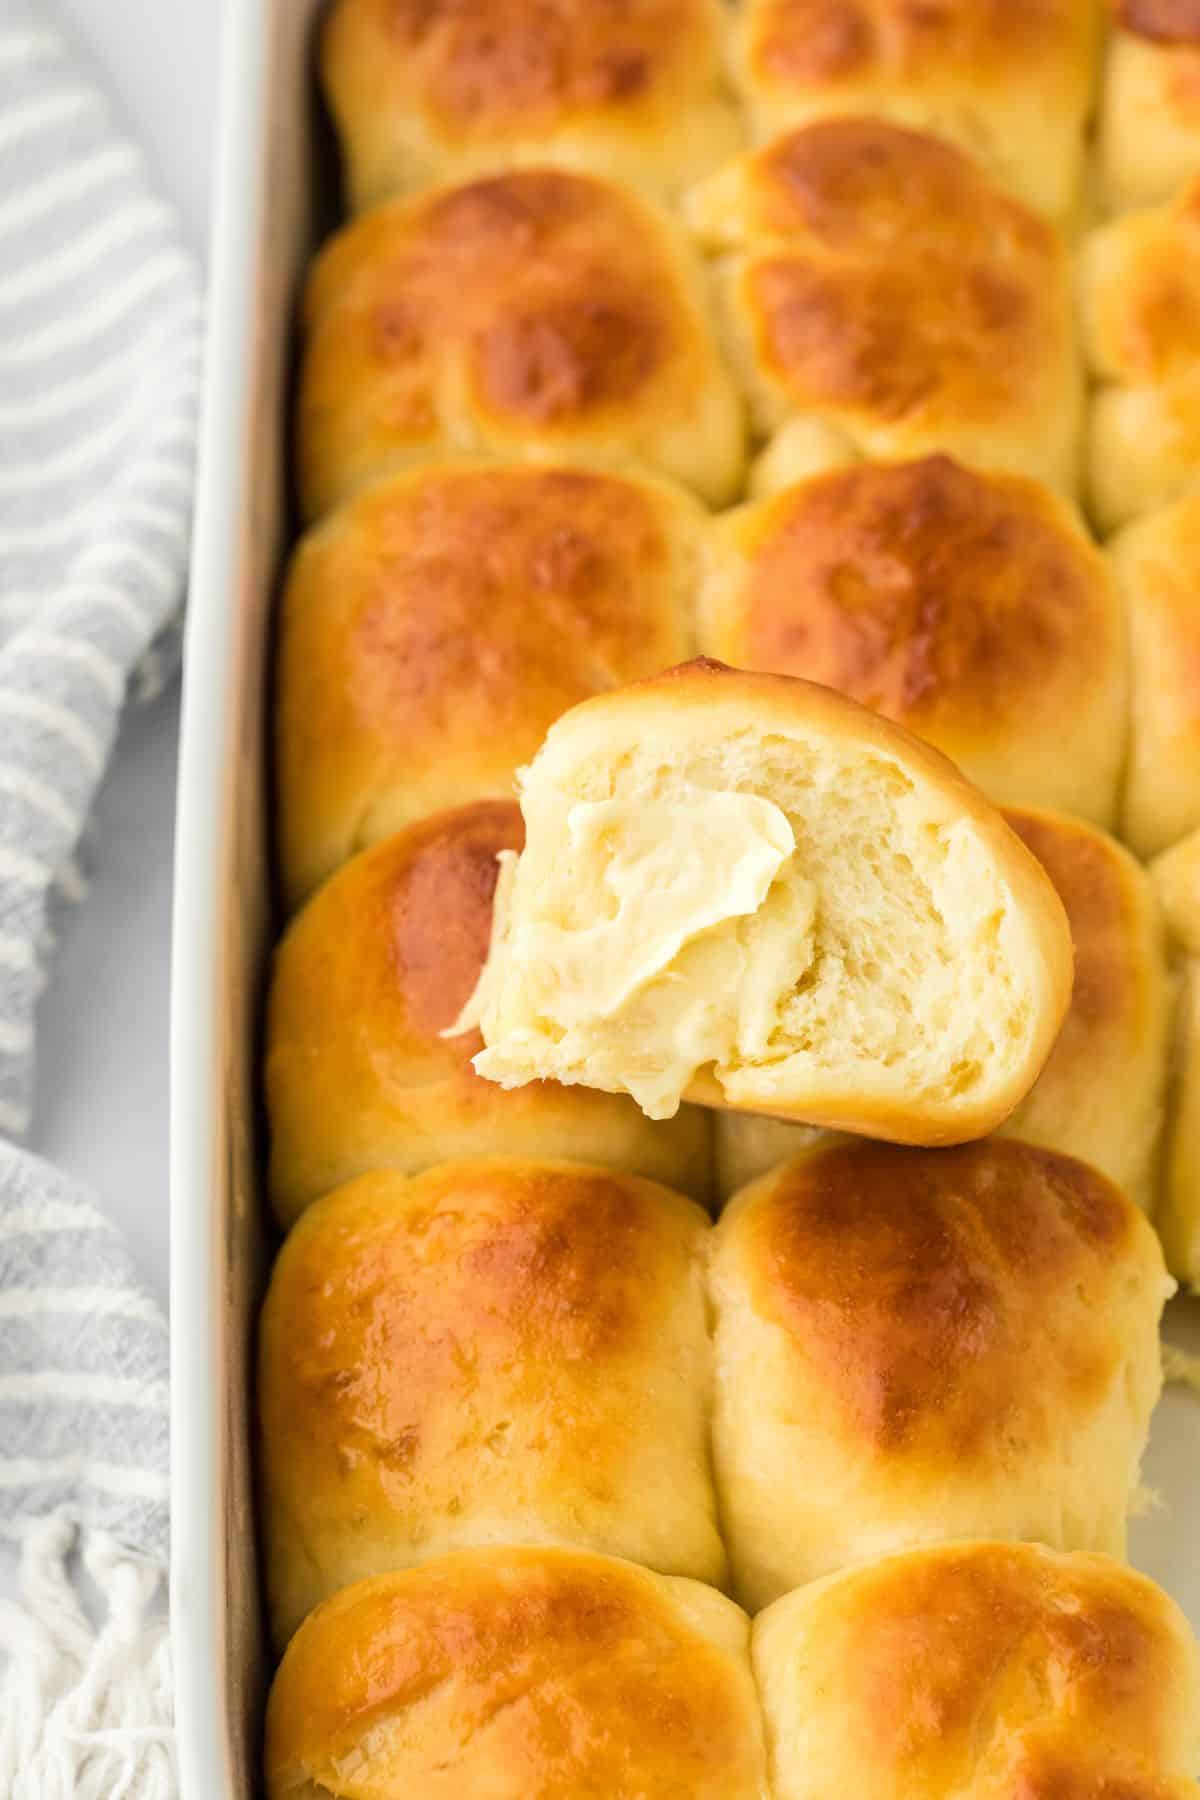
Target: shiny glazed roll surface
point(531, 313)
point(497, 1351)
point(518, 1675)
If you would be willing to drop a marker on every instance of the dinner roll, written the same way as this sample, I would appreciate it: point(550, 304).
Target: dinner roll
point(944, 1342)
point(749, 889)
point(994, 1671)
point(518, 1674)
point(1157, 566)
point(434, 627)
point(495, 1351)
point(1149, 133)
point(359, 1075)
point(1101, 1095)
point(1177, 876)
point(969, 607)
point(1008, 80)
point(746, 1145)
point(873, 282)
point(434, 90)
point(1140, 285)
point(532, 312)
point(1178, 1212)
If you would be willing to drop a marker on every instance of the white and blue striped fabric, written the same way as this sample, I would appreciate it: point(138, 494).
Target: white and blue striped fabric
point(99, 365)
point(100, 344)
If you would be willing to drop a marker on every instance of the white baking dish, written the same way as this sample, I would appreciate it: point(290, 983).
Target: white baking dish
point(274, 165)
point(264, 227)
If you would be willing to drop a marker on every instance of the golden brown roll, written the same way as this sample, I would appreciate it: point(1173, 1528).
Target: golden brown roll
point(1149, 136)
point(1157, 567)
point(536, 312)
point(878, 289)
point(1008, 80)
point(946, 1343)
point(1177, 877)
point(995, 1671)
point(1140, 286)
point(1178, 1213)
point(969, 607)
point(434, 90)
point(434, 627)
point(1102, 1093)
point(495, 1351)
point(359, 1075)
point(748, 890)
point(518, 1675)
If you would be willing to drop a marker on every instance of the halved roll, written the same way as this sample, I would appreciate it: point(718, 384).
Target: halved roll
point(499, 1350)
point(915, 1345)
point(1102, 1093)
point(968, 606)
point(877, 289)
point(1149, 137)
point(433, 628)
point(359, 1073)
point(1008, 80)
point(534, 313)
point(518, 1675)
point(750, 890)
point(1140, 292)
point(996, 1671)
point(424, 92)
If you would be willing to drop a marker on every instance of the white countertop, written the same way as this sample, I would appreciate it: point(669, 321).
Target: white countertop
point(102, 1088)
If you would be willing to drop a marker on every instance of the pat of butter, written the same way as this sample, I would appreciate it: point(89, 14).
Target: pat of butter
point(664, 942)
point(665, 874)
point(673, 928)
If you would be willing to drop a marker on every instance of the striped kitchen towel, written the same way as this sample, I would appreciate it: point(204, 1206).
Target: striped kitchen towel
point(85, 1714)
point(100, 338)
point(99, 371)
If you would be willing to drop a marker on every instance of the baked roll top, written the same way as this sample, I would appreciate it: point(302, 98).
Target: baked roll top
point(1140, 287)
point(1157, 566)
point(367, 979)
point(498, 1350)
point(518, 1675)
point(1178, 1212)
point(1177, 878)
point(1149, 133)
point(916, 1345)
point(875, 285)
point(1176, 875)
point(748, 890)
point(425, 92)
point(1008, 80)
point(983, 1669)
point(433, 629)
point(532, 312)
point(1102, 1093)
point(969, 607)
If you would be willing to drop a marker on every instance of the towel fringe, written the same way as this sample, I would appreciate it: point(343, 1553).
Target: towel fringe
point(85, 1714)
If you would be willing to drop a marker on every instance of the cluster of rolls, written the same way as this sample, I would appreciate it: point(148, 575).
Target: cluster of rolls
point(820, 338)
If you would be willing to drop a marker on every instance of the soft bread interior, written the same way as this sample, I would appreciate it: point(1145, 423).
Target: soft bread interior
point(769, 919)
